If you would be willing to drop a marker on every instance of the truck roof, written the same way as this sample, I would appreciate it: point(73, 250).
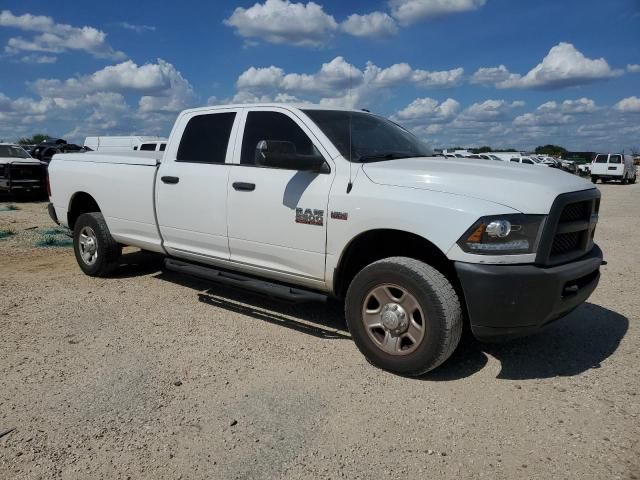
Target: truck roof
point(298, 106)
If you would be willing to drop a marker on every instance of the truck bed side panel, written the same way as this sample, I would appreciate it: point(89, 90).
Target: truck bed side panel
point(124, 193)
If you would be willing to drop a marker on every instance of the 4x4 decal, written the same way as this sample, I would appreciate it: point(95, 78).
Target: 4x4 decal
point(309, 216)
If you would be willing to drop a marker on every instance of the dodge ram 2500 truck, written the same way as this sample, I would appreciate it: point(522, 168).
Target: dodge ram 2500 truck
point(299, 202)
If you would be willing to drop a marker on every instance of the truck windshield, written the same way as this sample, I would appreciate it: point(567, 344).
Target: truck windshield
point(11, 151)
point(371, 138)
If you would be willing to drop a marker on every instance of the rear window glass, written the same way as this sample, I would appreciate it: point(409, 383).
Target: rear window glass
point(516, 160)
point(601, 159)
point(163, 147)
point(615, 159)
point(205, 138)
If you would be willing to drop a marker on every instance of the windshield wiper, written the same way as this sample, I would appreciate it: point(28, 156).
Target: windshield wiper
point(384, 156)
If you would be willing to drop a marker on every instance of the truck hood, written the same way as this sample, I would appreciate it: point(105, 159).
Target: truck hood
point(522, 187)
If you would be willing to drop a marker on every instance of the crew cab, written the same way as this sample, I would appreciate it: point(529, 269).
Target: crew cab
point(304, 202)
point(19, 172)
point(613, 166)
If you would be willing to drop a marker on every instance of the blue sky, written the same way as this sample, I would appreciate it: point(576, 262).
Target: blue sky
point(457, 72)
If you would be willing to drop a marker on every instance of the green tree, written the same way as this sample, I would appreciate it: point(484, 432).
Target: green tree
point(552, 150)
point(483, 149)
point(36, 139)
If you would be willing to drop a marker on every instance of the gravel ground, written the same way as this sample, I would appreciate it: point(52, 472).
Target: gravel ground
point(152, 375)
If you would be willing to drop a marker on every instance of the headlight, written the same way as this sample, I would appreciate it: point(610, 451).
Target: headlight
point(503, 235)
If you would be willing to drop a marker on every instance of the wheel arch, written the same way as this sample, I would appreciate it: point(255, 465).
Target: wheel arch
point(373, 245)
point(80, 202)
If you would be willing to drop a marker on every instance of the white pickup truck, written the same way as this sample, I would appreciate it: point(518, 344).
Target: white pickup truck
point(302, 202)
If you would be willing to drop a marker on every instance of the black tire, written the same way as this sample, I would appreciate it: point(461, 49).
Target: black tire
point(594, 179)
point(633, 180)
point(442, 320)
point(108, 251)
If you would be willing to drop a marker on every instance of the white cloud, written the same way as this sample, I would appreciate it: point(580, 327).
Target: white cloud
point(491, 75)
point(628, 105)
point(136, 28)
point(373, 25)
point(490, 110)
point(281, 21)
point(56, 37)
point(581, 105)
point(39, 59)
point(412, 11)
point(428, 109)
point(443, 79)
point(633, 68)
point(542, 119)
point(338, 83)
point(563, 66)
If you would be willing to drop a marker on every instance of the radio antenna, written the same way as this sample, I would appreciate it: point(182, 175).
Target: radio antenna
point(349, 93)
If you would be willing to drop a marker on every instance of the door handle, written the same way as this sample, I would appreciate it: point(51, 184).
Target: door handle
point(244, 186)
point(172, 180)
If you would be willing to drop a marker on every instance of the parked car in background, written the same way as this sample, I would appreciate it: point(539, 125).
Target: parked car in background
point(613, 166)
point(19, 172)
point(109, 144)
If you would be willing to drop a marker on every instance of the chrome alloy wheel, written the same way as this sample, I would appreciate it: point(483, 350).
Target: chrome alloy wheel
point(393, 319)
point(88, 244)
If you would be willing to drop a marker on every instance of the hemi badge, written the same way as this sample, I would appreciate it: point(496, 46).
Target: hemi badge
point(339, 215)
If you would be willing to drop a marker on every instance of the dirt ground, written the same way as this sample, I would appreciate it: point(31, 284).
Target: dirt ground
point(152, 375)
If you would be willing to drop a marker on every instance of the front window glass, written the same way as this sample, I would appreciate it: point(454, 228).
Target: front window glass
point(601, 159)
point(272, 126)
point(363, 137)
point(12, 151)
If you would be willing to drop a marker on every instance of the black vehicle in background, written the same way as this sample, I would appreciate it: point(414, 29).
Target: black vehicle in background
point(19, 172)
point(47, 149)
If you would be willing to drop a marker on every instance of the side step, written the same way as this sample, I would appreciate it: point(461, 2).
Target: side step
point(265, 287)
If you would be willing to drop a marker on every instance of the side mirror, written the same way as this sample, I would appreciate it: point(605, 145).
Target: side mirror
point(283, 154)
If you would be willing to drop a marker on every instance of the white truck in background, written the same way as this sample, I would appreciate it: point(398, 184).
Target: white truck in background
point(112, 144)
point(307, 202)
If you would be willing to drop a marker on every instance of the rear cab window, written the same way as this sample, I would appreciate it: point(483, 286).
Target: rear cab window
point(148, 147)
point(205, 138)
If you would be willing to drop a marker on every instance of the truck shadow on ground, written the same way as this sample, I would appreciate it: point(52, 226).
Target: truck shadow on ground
point(571, 346)
point(577, 343)
point(321, 320)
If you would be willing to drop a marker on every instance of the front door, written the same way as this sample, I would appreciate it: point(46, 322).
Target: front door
point(192, 186)
point(278, 218)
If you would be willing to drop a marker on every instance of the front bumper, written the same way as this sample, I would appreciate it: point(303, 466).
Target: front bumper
point(509, 301)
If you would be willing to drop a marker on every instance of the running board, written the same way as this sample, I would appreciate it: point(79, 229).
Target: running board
point(265, 287)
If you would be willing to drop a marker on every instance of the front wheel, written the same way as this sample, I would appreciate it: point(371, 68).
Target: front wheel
point(95, 249)
point(594, 179)
point(403, 315)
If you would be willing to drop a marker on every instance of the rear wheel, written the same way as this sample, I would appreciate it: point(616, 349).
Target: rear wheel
point(95, 249)
point(403, 315)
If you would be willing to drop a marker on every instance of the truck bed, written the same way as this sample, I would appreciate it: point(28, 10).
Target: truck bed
point(122, 184)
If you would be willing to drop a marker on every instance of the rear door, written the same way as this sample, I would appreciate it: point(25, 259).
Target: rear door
point(191, 197)
point(600, 164)
point(615, 166)
point(278, 217)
